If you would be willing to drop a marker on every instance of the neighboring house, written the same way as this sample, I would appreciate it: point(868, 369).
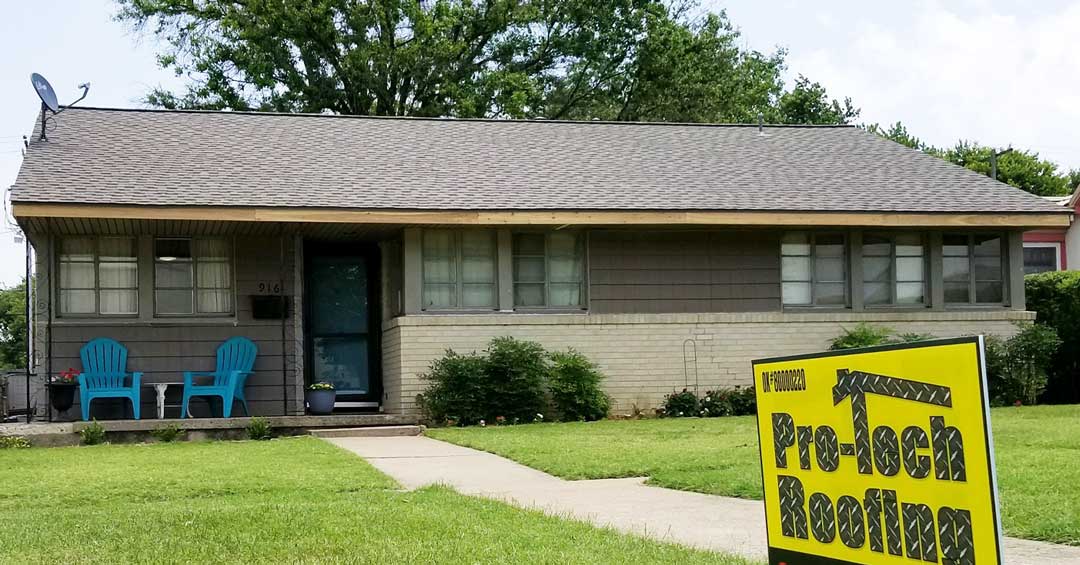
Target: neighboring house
point(670, 254)
point(1056, 249)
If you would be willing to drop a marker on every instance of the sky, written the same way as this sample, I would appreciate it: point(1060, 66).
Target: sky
point(1001, 72)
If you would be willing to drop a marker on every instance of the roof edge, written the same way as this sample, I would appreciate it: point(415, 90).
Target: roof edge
point(747, 218)
point(453, 119)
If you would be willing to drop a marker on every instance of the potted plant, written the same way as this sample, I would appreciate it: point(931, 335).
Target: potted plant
point(62, 389)
point(320, 398)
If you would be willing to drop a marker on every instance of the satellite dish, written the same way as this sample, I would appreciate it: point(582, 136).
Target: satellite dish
point(48, 99)
point(45, 92)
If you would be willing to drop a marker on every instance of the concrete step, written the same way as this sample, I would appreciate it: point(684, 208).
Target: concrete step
point(370, 431)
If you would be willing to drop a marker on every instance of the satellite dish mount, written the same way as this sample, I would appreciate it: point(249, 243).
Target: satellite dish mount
point(48, 99)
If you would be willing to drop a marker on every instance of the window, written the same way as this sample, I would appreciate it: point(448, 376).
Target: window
point(1041, 257)
point(192, 276)
point(894, 269)
point(549, 270)
point(973, 269)
point(459, 269)
point(98, 276)
point(813, 269)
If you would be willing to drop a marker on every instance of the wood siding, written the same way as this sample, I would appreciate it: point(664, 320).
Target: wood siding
point(162, 348)
point(641, 272)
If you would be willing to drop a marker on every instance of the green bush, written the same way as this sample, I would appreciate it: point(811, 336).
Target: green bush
point(1055, 297)
point(862, 335)
point(867, 335)
point(456, 393)
point(510, 383)
point(738, 401)
point(679, 404)
point(167, 434)
point(259, 429)
point(575, 390)
point(1017, 367)
point(14, 442)
point(516, 373)
point(93, 434)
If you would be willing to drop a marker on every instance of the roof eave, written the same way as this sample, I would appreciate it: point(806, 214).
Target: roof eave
point(728, 218)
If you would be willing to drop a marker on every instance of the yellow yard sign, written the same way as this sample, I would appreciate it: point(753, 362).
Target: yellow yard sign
point(879, 456)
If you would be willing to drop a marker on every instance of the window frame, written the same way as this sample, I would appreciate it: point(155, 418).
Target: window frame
point(1055, 245)
point(458, 257)
point(1003, 256)
point(893, 280)
point(581, 245)
point(58, 287)
point(194, 262)
point(845, 259)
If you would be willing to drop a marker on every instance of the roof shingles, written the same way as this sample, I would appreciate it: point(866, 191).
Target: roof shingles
point(142, 157)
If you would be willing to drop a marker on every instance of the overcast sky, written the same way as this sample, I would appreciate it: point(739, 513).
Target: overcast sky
point(1001, 72)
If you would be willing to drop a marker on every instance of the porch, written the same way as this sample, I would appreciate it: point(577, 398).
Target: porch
point(311, 296)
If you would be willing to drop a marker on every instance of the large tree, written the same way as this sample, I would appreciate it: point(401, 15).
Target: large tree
point(644, 60)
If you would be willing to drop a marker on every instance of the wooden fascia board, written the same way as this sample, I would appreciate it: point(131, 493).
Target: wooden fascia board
point(555, 217)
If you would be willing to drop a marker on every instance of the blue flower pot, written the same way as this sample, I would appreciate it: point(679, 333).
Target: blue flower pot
point(320, 402)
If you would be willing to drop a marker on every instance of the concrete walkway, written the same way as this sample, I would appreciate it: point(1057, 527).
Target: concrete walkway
point(704, 521)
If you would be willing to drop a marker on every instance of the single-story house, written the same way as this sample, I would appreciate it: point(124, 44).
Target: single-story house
point(1054, 249)
point(670, 254)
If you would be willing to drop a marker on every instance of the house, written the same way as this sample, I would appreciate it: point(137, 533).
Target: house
point(670, 254)
point(1054, 249)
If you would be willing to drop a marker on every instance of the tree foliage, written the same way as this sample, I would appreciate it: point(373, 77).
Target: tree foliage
point(13, 327)
point(646, 60)
point(1020, 168)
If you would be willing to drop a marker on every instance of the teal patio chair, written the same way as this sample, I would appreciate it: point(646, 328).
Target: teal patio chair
point(105, 373)
point(235, 358)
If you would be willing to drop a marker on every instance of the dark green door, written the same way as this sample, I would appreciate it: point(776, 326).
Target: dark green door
point(341, 340)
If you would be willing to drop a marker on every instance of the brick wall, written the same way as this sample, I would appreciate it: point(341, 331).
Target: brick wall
point(646, 356)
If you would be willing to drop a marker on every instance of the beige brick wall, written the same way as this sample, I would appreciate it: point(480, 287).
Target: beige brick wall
point(646, 356)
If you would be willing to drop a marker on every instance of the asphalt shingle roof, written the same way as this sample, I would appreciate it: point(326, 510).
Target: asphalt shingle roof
point(150, 157)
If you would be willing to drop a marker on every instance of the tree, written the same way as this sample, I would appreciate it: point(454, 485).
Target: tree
point(559, 59)
point(899, 133)
point(13, 327)
point(808, 103)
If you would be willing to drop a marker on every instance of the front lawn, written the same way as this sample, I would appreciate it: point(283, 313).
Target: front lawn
point(283, 501)
point(1037, 451)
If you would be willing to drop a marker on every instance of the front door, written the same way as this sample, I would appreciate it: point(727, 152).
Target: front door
point(341, 332)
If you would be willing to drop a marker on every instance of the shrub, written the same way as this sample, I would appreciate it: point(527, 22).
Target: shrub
point(575, 387)
point(516, 373)
point(321, 385)
point(1017, 368)
point(678, 404)
point(93, 434)
point(456, 392)
point(862, 335)
point(259, 429)
point(1055, 296)
point(867, 335)
point(715, 403)
point(743, 401)
point(167, 434)
point(14, 442)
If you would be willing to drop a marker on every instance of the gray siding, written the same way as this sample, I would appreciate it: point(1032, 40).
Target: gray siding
point(163, 348)
point(634, 272)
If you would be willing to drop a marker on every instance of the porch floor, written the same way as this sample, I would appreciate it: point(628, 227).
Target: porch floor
point(66, 433)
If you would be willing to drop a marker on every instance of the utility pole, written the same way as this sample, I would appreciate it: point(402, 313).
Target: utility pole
point(993, 161)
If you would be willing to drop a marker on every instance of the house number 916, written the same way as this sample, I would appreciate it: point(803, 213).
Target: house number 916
point(270, 288)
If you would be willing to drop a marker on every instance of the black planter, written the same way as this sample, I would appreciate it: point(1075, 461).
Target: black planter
point(62, 396)
point(320, 402)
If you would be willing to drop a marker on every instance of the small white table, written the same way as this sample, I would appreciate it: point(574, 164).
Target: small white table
point(161, 388)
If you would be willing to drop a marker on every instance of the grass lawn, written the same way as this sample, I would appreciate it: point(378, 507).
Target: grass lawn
point(1037, 449)
point(291, 500)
